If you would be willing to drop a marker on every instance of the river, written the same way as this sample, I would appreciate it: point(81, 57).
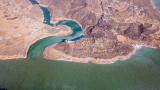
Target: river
point(141, 71)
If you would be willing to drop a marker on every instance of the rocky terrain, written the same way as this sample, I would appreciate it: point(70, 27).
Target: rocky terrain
point(113, 29)
point(21, 24)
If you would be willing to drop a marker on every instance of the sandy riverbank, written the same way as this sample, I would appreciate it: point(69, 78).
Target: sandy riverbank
point(22, 25)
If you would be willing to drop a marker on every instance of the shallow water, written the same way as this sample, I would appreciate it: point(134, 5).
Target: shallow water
point(156, 3)
point(141, 71)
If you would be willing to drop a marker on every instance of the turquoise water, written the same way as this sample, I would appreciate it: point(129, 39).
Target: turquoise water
point(36, 50)
point(141, 71)
point(157, 3)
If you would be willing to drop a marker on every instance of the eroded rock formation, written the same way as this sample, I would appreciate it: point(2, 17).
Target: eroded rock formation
point(113, 28)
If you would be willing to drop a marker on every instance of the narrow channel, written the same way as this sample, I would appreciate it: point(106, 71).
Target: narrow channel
point(36, 50)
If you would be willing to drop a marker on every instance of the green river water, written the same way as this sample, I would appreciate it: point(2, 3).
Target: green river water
point(140, 72)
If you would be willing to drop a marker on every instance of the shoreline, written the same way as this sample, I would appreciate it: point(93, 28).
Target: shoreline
point(65, 57)
point(73, 59)
point(11, 57)
point(31, 39)
point(62, 19)
point(154, 6)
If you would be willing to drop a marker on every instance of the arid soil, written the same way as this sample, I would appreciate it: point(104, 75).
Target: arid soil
point(113, 29)
point(21, 24)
